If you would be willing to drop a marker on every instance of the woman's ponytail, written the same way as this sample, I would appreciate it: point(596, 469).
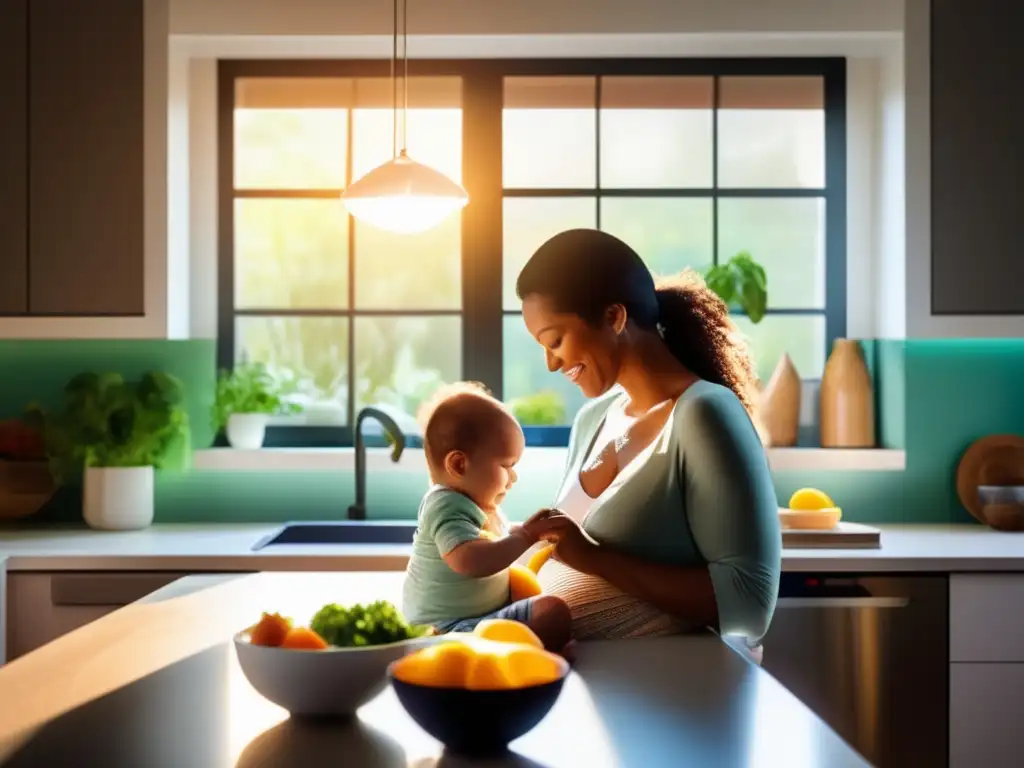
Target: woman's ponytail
point(697, 328)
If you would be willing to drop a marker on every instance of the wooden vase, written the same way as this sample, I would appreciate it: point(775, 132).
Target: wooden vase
point(781, 404)
point(847, 399)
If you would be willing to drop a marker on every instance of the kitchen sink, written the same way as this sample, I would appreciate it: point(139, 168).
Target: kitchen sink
point(341, 532)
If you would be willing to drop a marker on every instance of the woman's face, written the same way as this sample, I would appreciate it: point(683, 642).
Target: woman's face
point(589, 356)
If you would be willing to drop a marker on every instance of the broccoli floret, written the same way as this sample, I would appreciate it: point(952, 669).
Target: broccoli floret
point(358, 626)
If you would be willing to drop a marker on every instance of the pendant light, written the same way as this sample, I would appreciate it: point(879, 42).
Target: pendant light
point(403, 195)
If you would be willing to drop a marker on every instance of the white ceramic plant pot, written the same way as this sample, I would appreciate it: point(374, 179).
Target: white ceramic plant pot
point(118, 498)
point(247, 430)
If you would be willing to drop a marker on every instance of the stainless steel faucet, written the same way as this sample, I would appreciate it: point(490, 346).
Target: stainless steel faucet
point(394, 434)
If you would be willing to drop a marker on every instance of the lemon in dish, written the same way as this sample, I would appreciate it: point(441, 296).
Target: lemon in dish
point(810, 509)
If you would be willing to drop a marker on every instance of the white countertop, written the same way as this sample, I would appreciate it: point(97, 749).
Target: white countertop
point(215, 547)
point(677, 701)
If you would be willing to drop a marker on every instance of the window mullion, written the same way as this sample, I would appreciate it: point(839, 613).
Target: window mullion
point(482, 336)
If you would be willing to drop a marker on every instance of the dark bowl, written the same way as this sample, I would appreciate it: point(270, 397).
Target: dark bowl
point(477, 722)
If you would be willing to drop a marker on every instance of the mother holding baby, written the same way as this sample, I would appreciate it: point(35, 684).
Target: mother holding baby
point(670, 520)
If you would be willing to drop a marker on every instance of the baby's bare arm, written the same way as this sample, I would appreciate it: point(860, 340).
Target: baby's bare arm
point(488, 555)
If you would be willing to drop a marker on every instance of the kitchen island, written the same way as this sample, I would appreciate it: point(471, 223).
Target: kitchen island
point(157, 684)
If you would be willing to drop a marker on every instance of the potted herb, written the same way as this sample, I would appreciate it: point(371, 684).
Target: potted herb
point(742, 284)
point(246, 398)
point(113, 433)
point(537, 414)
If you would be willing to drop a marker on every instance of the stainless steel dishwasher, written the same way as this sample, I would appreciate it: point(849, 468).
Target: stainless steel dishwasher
point(869, 655)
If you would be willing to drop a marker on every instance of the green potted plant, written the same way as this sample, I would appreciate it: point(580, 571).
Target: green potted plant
point(742, 284)
point(537, 413)
point(245, 400)
point(112, 434)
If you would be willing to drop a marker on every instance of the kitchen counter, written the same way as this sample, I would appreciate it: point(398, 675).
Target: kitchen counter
point(157, 684)
point(215, 547)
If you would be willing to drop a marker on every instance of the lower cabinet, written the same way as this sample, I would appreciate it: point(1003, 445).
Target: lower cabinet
point(986, 673)
point(985, 705)
point(42, 606)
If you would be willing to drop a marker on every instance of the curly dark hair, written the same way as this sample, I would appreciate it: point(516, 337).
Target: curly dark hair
point(585, 271)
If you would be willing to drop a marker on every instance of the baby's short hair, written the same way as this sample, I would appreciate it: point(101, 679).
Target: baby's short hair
point(458, 418)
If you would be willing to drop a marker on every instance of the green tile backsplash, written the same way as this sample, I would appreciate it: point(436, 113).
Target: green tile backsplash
point(933, 398)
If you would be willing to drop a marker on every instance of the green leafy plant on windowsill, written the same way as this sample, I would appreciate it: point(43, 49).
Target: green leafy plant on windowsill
point(250, 389)
point(542, 409)
point(105, 421)
point(742, 284)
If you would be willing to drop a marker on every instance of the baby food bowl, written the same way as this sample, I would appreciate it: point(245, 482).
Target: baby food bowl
point(478, 722)
point(333, 682)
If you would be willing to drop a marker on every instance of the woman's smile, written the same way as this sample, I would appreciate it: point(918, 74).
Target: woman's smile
point(575, 372)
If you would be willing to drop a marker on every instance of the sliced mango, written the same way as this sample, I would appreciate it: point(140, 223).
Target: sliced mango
point(507, 631)
point(478, 663)
point(444, 665)
point(522, 582)
point(809, 499)
point(541, 556)
point(490, 672)
point(304, 639)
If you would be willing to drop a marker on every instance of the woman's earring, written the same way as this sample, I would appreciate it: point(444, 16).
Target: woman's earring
point(661, 330)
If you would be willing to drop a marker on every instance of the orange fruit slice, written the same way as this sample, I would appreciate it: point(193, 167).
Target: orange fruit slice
point(507, 631)
point(270, 630)
point(538, 558)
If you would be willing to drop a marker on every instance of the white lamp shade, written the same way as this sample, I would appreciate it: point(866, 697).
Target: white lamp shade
point(404, 196)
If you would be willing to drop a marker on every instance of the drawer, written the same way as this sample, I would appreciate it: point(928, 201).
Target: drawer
point(986, 618)
point(985, 702)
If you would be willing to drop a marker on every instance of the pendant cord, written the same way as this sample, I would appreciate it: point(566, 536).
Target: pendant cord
point(394, 79)
point(405, 77)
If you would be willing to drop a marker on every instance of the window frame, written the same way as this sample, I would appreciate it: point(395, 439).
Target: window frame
point(482, 311)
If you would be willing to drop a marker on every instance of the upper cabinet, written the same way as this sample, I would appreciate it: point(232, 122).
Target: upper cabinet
point(78, 208)
point(977, 77)
point(13, 163)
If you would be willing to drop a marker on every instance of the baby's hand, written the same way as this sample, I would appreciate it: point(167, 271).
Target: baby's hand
point(536, 523)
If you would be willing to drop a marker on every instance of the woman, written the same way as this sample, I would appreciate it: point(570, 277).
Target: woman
point(671, 521)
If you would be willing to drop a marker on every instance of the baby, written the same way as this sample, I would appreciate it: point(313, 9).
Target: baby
point(458, 574)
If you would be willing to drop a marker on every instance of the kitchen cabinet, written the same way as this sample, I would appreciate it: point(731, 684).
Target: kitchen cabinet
point(71, 158)
point(42, 606)
point(13, 162)
point(985, 701)
point(976, 158)
point(85, 157)
point(986, 676)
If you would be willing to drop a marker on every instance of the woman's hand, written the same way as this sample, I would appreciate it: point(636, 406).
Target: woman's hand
point(572, 545)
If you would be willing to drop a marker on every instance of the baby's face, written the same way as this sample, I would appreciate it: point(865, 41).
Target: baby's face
point(490, 470)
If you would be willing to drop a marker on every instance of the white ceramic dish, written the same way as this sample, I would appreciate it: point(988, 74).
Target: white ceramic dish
point(332, 682)
point(810, 519)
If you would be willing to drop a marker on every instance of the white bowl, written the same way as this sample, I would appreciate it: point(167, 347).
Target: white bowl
point(333, 682)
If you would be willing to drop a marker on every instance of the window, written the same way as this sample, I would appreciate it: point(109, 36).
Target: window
point(689, 161)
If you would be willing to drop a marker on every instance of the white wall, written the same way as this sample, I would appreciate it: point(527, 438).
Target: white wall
point(530, 17)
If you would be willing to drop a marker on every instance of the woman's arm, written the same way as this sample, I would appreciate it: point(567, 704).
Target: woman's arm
point(686, 592)
point(733, 511)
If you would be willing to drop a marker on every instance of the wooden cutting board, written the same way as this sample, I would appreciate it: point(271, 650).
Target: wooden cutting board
point(843, 536)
